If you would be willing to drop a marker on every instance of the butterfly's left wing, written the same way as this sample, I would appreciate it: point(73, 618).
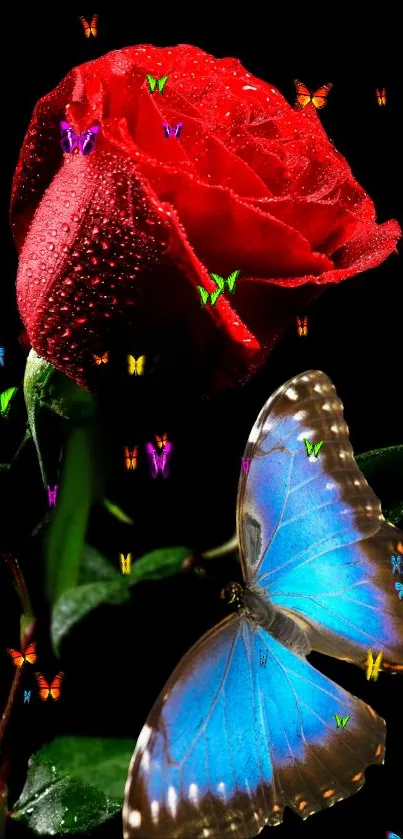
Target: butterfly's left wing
point(164, 459)
point(230, 743)
point(55, 686)
point(94, 26)
point(30, 653)
point(319, 98)
point(86, 140)
point(311, 531)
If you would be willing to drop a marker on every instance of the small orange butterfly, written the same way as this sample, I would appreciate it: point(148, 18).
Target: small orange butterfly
point(131, 457)
point(302, 326)
point(304, 96)
point(90, 28)
point(161, 440)
point(101, 359)
point(46, 689)
point(381, 96)
point(20, 658)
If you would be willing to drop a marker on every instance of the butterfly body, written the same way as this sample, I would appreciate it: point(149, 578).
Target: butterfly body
point(90, 28)
point(136, 365)
point(70, 140)
point(174, 131)
point(159, 462)
point(231, 742)
point(49, 689)
point(28, 656)
point(305, 97)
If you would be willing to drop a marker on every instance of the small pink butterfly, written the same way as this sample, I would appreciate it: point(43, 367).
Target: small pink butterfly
point(172, 132)
point(85, 142)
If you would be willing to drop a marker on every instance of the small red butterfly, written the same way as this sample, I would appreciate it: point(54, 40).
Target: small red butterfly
point(90, 28)
point(46, 689)
point(161, 440)
point(131, 458)
point(20, 658)
point(304, 96)
point(381, 96)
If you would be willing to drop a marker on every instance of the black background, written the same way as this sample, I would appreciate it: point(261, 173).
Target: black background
point(118, 660)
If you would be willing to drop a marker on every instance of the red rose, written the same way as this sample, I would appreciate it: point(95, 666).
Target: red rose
point(115, 243)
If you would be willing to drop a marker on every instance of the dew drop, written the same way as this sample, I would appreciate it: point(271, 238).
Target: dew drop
point(65, 227)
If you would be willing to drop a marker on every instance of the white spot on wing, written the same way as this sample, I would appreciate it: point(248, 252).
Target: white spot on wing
point(206, 832)
point(145, 763)
point(155, 810)
point(134, 818)
point(221, 788)
point(172, 800)
point(193, 793)
point(291, 393)
point(299, 415)
point(144, 737)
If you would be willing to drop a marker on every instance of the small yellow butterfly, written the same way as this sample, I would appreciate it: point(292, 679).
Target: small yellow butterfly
point(136, 365)
point(373, 666)
point(101, 359)
point(125, 563)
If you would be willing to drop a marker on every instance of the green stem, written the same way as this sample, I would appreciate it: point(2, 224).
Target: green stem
point(79, 487)
point(227, 548)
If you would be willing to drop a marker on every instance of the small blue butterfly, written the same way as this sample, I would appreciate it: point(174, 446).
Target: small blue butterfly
point(2, 355)
point(27, 696)
point(229, 742)
point(396, 563)
point(399, 588)
point(391, 835)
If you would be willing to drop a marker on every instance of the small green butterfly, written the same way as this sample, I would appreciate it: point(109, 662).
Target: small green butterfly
point(230, 281)
point(5, 400)
point(313, 448)
point(205, 295)
point(341, 722)
point(154, 82)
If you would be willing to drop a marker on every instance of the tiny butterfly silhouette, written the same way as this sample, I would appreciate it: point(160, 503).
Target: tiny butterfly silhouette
point(85, 142)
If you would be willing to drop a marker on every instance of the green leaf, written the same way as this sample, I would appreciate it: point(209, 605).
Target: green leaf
point(157, 565)
point(65, 540)
point(95, 567)
point(73, 785)
point(115, 511)
point(45, 387)
point(383, 469)
point(75, 604)
point(112, 587)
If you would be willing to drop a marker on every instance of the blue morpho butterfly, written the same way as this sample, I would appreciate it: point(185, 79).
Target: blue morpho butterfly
point(230, 743)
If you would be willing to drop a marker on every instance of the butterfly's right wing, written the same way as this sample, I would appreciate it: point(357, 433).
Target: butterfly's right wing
point(16, 657)
point(43, 686)
point(152, 83)
point(230, 743)
point(152, 459)
point(204, 294)
point(30, 653)
point(303, 97)
point(161, 83)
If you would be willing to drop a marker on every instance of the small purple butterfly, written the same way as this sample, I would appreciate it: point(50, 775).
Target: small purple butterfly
point(52, 495)
point(85, 142)
point(159, 461)
point(172, 132)
point(245, 463)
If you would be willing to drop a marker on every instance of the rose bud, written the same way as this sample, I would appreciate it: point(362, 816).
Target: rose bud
point(115, 237)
